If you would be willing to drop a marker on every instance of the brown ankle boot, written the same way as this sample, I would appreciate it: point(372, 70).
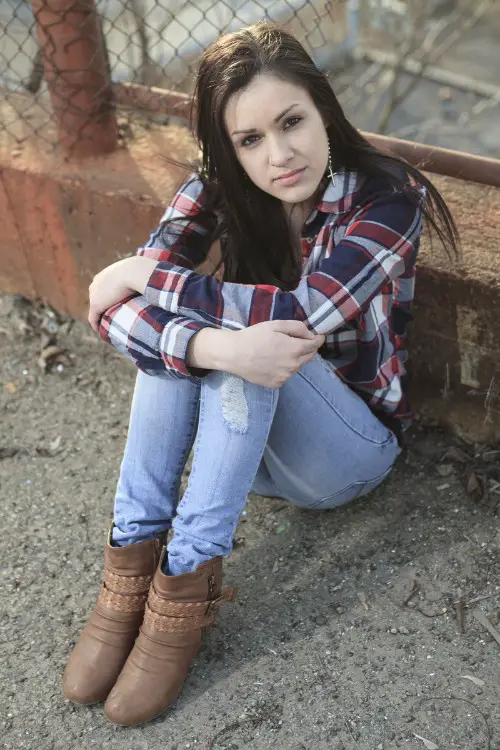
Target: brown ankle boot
point(106, 640)
point(178, 608)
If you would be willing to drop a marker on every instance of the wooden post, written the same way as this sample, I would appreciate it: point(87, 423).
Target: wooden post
point(76, 75)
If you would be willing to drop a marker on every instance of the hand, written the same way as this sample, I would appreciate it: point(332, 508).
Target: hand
point(269, 353)
point(109, 286)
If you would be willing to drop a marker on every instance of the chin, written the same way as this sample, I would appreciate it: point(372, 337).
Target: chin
point(297, 194)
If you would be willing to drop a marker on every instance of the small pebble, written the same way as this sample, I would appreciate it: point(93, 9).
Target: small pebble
point(444, 470)
point(403, 630)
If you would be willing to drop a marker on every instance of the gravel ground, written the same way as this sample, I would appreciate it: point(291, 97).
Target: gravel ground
point(346, 633)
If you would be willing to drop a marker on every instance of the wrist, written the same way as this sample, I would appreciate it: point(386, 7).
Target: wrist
point(212, 349)
point(225, 351)
point(139, 271)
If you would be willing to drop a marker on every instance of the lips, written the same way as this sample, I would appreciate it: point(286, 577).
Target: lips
point(290, 174)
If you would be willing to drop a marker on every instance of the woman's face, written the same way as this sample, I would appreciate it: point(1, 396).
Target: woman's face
point(276, 129)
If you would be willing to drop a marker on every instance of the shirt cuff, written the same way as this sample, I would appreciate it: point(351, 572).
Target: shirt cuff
point(174, 342)
point(165, 286)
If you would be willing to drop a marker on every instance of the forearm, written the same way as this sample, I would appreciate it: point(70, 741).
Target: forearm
point(211, 349)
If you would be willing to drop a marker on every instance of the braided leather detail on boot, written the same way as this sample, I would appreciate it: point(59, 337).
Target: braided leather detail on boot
point(122, 602)
point(127, 584)
point(182, 617)
point(124, 593)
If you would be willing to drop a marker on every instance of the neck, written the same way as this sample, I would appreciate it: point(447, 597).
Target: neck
point(297, 213)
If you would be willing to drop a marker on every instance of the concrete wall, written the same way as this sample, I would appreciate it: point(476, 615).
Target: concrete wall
point(62, 223)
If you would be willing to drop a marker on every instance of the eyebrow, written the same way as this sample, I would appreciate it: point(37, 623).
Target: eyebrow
point(276, 119)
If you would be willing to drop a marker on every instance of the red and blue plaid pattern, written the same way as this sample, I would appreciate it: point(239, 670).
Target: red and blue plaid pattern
point(359, 251)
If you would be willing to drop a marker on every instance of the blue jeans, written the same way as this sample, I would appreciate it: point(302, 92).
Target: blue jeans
point(313, 442)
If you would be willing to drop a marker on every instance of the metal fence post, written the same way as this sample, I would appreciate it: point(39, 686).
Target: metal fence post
point(76, 75)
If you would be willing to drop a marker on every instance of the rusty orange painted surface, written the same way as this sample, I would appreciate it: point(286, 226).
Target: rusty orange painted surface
point(15, 272)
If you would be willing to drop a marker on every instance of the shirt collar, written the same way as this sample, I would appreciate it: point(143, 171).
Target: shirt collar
point(339, 197)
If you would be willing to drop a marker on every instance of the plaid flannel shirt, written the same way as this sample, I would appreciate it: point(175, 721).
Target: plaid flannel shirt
point(359, 248)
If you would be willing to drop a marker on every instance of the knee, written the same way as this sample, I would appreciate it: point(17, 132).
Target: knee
point(240, 401)
point(234, 403)
point(233, 399)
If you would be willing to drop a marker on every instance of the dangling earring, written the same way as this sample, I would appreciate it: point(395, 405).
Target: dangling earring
point(330, 169)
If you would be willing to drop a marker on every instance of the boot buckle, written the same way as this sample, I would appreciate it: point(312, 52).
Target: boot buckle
point(213, 606)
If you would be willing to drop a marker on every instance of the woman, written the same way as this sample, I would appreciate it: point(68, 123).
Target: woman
point(288, 376)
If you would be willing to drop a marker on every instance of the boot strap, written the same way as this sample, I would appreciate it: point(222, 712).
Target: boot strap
point(183, 617)
point(126, 584)
point(121, 602)
point(124, 593)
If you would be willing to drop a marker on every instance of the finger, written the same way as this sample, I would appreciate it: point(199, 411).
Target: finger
point(295, 328)
point(93, 320)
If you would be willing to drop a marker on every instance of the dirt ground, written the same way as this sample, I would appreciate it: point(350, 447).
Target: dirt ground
point(360, 628)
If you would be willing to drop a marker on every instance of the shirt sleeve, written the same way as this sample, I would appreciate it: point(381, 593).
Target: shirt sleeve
point(380, 244)
point(154, 339)
point(186, 229)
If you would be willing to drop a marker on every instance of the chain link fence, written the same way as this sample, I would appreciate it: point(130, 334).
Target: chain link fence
point(125, 54)
point(71, 70)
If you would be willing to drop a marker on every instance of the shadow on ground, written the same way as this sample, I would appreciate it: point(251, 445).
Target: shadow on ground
point(323, 647)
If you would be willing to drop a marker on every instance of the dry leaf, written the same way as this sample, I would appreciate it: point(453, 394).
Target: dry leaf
point(11, 387)
point(54, 445)
point(8, 452)
point(475, 680)
point(489, 456)
point(429, 745)
point(456, 454)
point(479, 615)
point(475, 487)
point(52, 354)
point(362, 598)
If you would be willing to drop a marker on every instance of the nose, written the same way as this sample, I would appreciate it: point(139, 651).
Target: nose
point(280, 152)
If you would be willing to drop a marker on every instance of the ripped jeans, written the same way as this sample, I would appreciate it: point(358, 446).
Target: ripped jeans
point(313, 442)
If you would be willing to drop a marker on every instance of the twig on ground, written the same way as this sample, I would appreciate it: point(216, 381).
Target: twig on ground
point(444, 611)
point(481, 598)
point(483, 620)
point(349, 730)
point(474, 544)
point(460, 612)
point(450, 698)
point(415, 588)
point(253, 720)
point(221, 732)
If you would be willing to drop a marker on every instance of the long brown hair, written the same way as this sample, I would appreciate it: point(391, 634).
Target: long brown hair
point(257, 245)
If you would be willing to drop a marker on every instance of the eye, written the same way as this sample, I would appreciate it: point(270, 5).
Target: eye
point(247, 141)
point(292, 121)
